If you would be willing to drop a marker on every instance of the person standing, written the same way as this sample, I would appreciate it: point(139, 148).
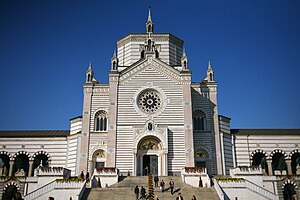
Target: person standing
point(156, 179)
point(171, 184)
point(194, 197)
point(143, 192)
point(162, 186)
point(87, 176)
point(137, 191)
point(179, 197)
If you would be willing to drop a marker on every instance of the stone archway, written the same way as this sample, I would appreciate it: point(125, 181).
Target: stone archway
point(150, 157)
point(202, 160)
point(289, 190)
point(10, 190)
point(98, 160)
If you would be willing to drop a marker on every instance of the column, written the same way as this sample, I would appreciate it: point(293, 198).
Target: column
point(30, 168)
point(269, 162)
point(166, 164)
point(11, 164)
point(134, 164)
point(289, 166)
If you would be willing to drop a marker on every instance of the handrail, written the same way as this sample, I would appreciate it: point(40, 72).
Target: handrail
point(218, 189)
point(250, 186)
point(82, 190)
point(50, 186)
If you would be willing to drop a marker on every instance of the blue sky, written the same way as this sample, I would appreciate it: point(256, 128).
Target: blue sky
point(46, 46)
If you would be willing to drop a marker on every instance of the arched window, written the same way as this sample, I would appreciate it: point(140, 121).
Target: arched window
point(101, 121)
point(114, 65)
point(89, 78)
point(149, 28)
point(211, 77)
point(199, 120)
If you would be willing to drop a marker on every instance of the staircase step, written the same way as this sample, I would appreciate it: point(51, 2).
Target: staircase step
point(124, 190)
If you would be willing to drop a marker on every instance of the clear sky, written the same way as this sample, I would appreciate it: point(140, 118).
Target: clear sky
point(46, 46)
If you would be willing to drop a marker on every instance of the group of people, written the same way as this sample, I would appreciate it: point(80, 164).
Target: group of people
point(141, 193)
point(87, 176)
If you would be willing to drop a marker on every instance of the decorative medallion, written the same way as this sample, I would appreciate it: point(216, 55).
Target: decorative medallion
point(149, 144)
point(149, 101)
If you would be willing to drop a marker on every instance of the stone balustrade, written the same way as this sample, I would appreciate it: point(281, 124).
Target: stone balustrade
point(245, 170)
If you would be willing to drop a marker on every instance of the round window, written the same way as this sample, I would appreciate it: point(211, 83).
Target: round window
point(149, 101)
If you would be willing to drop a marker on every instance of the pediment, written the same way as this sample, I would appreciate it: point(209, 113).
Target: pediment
point(150, 64)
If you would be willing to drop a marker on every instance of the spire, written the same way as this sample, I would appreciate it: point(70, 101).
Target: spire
point(209, 73)
point(184, 61)
point(149, 15)
point(89, 74)
point(114, 61)
point(209, 66)
point(149, 24)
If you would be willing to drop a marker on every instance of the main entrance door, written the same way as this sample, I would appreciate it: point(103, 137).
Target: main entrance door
point(150, 164)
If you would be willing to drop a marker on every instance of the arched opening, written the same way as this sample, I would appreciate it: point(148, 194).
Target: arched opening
point(10, 193)
point(150, 157)
point(89, 78)
point(101, 121)
point(199, 120)
point(289, 192)
point(185, 64)
point(149, 28)
point(259, 159)
point(149, 45)
point(295, 162)
point(211, 78)
point(40, 160)
point(98, 160)
point(202, 160)
point(4, 165)
point(278, 162)
point(114, 65)
point(21, 165)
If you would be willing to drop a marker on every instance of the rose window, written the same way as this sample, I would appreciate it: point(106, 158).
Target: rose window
point(149, 101)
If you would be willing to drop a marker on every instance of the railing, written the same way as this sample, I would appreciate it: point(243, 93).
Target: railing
point(83, 188)
point(250, 186)
point(219, 190)
point(246, 171)
point(195, 170)
point(52, 185)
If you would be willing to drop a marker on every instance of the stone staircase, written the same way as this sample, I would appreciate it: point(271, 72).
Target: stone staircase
point(124, 190)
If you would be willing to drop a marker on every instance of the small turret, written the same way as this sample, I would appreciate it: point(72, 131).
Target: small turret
point(89, 74)
point(114, 62)
point(149, 24)
point(184, 61)
point(209, 73)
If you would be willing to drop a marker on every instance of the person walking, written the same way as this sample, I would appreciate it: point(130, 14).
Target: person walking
point(156, 179)
point(87, 176)
point(194, 197)
point(162, 186)
point(143, 193)
point(171, 184)
point(137, 191)
point(179, 197)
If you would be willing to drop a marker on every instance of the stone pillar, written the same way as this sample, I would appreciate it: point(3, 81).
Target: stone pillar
point(188, 120)
point(30, 168)
point(134, 164)
point(269, 162)
point(112, 126)
point(289, 166)
point(11, 164)
point(166, 164)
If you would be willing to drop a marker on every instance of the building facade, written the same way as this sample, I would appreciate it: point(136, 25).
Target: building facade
point(150, 117)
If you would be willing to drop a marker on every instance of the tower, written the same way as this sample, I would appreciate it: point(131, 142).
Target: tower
point(149, 24)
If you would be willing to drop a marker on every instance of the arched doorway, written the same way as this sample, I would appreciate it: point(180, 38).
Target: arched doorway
point(289, 191)
point(10, 191)
point(98, 160)
point(150, 157)
point(202, 160)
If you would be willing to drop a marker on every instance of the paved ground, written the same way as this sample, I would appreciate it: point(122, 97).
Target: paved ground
point(124, 190)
